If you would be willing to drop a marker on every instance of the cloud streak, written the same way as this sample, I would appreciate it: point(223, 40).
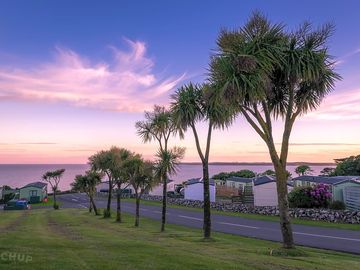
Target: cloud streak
point(127, 83)
point(339, 106)
point(30, 143)
point(322, 144)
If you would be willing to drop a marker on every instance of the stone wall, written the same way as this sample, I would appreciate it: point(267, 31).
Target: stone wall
point(335, 216)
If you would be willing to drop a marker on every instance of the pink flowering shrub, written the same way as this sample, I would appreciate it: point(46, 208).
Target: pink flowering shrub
point(318, 196)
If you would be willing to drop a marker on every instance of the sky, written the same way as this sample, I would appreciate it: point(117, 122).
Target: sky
point(75, 76)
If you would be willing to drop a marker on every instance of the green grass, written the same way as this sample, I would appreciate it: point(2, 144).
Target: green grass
point(345, 226)
point(75, 239)
point(50, 202)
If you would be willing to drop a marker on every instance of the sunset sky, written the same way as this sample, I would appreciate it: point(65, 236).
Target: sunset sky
point(75, 76)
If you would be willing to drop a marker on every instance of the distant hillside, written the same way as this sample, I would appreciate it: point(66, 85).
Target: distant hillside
point(262, 163)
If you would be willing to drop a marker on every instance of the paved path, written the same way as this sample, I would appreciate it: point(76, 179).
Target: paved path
point(311, 236)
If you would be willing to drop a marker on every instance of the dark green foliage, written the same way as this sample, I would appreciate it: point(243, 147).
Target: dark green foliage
point(318, 196)
point(303, 170)
point(107, 213)
point(348, 166)
point(56, 206)
point(337, 205)
point(269, 172)
point(327, 171)
point(298, 198)
point(241, 173)
point(6, 187)
point(8, 197)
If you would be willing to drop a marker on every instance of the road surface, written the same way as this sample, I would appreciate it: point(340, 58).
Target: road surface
point(310, 236)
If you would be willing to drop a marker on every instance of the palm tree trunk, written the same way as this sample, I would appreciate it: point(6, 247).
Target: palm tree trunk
point(54, 196)
point(285, 223)
point(118, 204)
point(137, 215)
point(207, 211)
point(164, 200)
point(94, 205)
point(90, 204)
point(108, 207)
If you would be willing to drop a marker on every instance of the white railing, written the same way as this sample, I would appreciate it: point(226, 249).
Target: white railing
point(352, 198)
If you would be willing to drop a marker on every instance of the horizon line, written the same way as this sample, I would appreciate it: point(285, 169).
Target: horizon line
point(199, 163)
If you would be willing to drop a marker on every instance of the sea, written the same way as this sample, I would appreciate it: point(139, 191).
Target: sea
point(18, 175)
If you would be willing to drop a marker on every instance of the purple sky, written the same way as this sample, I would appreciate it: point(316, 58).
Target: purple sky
point(76, 75)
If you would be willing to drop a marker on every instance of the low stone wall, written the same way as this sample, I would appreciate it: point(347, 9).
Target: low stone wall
point(335, 216)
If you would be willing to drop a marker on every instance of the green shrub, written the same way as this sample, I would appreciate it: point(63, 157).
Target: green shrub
point(56, 206)
point(8, 197)
point(318, 196)
point(107, 214)
point(337, 205)
point(299, 198)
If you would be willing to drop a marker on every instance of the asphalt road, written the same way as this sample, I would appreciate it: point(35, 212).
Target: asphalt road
point(310, 236)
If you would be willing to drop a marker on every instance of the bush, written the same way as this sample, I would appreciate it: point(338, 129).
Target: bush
point(56, 206)
point(8, 197)
point(299, 198)
point(337, 205)
point(309, 197)
point(107, 214)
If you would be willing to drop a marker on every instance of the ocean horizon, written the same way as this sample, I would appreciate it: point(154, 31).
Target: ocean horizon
point(18, 175)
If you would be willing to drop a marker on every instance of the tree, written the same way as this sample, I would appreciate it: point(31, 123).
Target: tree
point(87, 183)
point(242, 173)
point(190, 105)
point(268, 172)
point(327, 171)
point(53, 178)
point(158, 126)
point(270, 74)
point(348, 166)
point(168, 161)
point(303, 170)
point(118, 157)
point(102, 162)
point(141, 176)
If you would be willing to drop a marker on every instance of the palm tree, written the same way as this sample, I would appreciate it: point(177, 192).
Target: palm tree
point(102, 162)
point(158, 126)
point(53, 178)
point(141, 176)
point(87, 183)
point(270, 74)
point(192, 104)
point(118, 157)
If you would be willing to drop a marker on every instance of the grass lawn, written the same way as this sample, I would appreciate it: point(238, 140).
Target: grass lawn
point(345, 226)
point(50, 202)
point(75, 239)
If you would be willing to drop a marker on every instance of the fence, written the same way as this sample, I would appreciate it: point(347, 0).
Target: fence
point(352, 198)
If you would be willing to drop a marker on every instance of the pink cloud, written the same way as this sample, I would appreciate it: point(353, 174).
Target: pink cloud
point(342, 105)
point(128, 83)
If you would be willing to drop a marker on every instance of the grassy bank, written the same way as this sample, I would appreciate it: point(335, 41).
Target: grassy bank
point(300, 221)
point(75, 239)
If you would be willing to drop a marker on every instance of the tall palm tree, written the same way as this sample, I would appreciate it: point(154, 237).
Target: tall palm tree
point(167, 164)
point(53, 178)
point(158, 126)
point(118, 157)
point(268, 74)
point(141, 176)
point(87, 183)
point(196, 103)
point(102, 162)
